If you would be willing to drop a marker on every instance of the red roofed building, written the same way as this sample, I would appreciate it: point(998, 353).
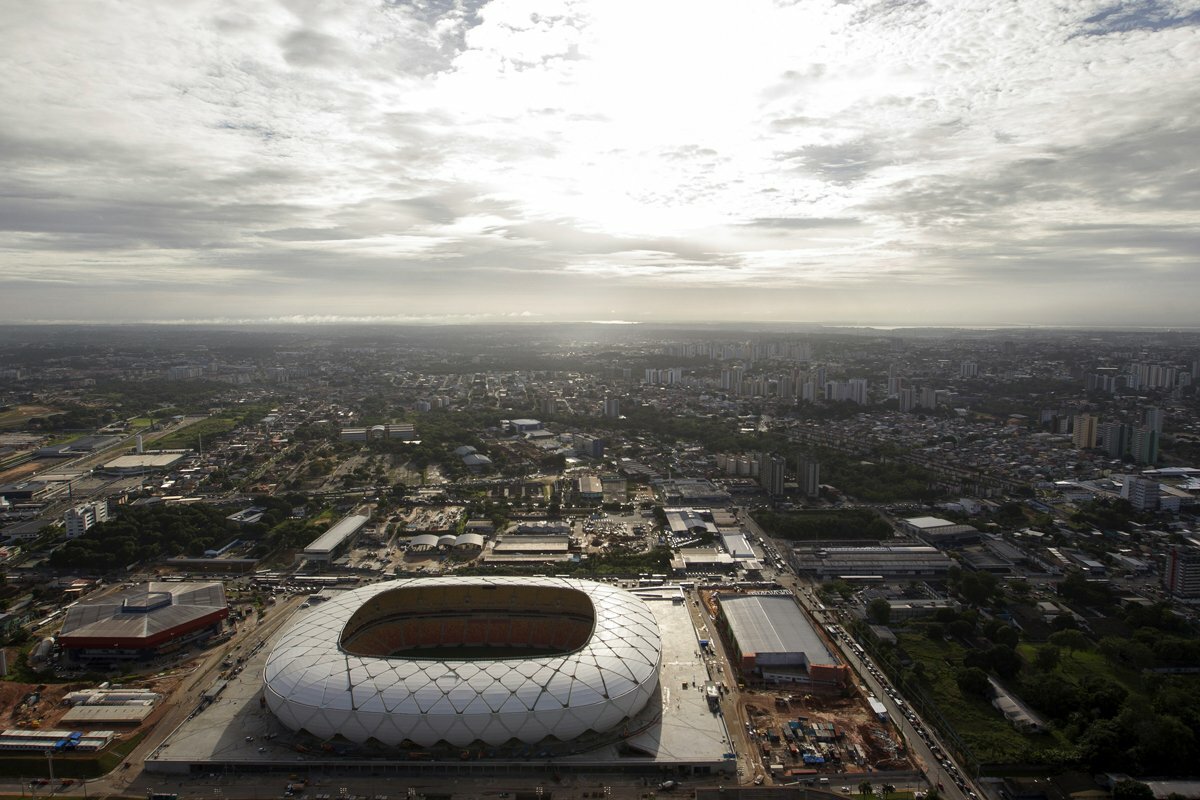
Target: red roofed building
point(143, 622)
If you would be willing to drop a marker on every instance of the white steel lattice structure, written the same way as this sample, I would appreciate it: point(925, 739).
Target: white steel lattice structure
point(540, 657)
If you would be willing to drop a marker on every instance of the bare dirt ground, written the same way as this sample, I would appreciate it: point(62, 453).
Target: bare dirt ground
point(19, 710)
point(840, 730)
point(15, 474)
point(838, 734)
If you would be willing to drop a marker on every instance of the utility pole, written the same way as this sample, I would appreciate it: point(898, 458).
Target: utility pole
point(50, 763)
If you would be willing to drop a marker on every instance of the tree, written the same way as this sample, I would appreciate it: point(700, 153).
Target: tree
point(1101, 745)
point(1047, 657)
point(1070, 640)
point(960, 628)
point(977, 587)
point(973, 682)
point(1005, 635)
point(1004, 661)
point(1064, 622)
point(1102, 696)
point(1132, 790)
point(879, 611)
point(864, 788)
point(1053, 694)
point(1127, 651)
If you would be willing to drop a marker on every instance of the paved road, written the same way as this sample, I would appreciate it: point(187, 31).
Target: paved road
point(910, 730)
point(718, 671)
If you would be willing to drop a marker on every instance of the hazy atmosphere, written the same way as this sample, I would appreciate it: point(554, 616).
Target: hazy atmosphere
point(936, 162)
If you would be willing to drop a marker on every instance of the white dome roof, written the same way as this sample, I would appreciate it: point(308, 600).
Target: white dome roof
point(314, 684)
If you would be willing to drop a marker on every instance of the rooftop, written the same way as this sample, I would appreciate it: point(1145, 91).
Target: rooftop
point(774, 624)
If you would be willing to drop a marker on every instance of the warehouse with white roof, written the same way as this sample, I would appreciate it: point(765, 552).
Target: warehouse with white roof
point(773, 641)
point(332, 542)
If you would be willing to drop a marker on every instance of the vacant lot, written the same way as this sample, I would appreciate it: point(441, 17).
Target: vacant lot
point(17, 416)
point(191, 436)
point(980, 725)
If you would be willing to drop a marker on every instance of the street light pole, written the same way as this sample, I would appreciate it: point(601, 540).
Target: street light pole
point(50, 763)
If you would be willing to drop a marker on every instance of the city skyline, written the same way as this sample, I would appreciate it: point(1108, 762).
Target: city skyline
point(456, 162)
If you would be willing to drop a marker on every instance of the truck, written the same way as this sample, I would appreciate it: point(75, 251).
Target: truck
point(712, 695)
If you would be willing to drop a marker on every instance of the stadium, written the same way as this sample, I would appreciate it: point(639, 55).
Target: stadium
point(466, 660)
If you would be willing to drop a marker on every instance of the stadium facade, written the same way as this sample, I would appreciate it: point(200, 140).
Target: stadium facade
point(466, 660)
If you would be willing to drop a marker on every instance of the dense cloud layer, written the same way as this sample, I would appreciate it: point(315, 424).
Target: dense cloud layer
point(936, 162)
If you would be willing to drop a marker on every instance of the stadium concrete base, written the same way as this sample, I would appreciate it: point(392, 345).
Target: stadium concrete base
point(675, 733)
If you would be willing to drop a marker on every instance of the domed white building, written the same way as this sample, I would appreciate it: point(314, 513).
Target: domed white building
point(464, 660)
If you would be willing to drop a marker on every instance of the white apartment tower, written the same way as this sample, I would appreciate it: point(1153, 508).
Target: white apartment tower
point(85, 516)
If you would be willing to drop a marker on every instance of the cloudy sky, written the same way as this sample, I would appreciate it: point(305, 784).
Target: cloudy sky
point(940, 162)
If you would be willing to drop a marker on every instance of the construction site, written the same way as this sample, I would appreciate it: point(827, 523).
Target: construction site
point(802, 710)
point(798, 736)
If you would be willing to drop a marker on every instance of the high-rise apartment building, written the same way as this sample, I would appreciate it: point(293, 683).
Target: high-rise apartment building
point(1143, 445)
point(1181, 573)
point(1084, 434)
point(1113, 437)
point(770, 473)
point(1142, 493)
point(1154, 420)
point(83, 517)
point(858, 390)
point(808, 473)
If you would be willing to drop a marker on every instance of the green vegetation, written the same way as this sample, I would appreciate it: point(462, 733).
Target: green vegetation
point(155, 532)
point(71, 418)
point(140, 397)
point(192, 436)
point(976, 588)
point(440, 433)
point(18, 416)
point(991, 739)
point(817, 525)
point(879, 611)
point(1108, 515)
point(72, 765)
point(1105, 711)
point(878, 481)
point(110, 758)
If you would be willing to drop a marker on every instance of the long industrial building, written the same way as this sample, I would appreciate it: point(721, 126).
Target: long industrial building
point(332, 542)
point(773, 641)
point(883, 562)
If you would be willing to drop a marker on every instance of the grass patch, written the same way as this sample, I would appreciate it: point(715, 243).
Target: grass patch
point(63, 438)
point(111, 757)
point(991, 738)
point(189, 437)
point(140, 422)
point(69, 765)
point(17, 416)
point(1083, 663)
